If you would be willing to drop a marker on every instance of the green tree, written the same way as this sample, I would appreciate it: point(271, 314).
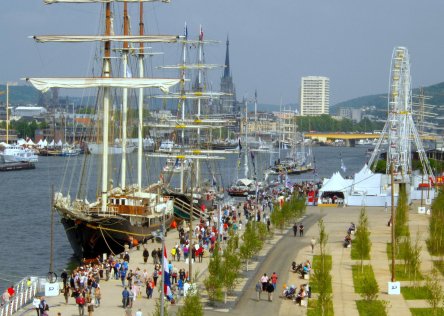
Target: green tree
point(213, 282)
point(231, 264)
point(362, 243)
point(370, 287)
point(435, 243)
point(158, 309)
point(192, 305)
point(433, 285)
point(251, 242)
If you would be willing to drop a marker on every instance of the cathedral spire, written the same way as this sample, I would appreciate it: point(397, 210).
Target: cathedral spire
point(227, 72)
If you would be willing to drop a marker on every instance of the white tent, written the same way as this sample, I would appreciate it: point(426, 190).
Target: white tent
point(335, 186)
point(21, 142)
point(365, 182)
point(59, 143)
point(30, 142)
point(51, 144)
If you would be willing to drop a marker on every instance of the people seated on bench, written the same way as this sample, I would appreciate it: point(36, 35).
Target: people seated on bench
point(306, 268)
point(351, 229)
point(347, 241)
point(302, 293)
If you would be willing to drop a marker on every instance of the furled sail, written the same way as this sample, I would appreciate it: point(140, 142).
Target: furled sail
point(92, 1)
point(44, 84)
point(104, 38)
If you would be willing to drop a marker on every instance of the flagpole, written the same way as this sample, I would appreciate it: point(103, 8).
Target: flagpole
point(162, 279)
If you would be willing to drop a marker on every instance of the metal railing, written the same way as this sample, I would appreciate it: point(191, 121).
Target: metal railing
point(24, 294)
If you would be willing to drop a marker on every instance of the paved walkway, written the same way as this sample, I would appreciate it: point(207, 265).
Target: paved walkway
point(337, 220)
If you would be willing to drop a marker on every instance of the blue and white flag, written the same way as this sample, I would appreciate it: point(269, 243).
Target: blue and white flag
point(343, 167)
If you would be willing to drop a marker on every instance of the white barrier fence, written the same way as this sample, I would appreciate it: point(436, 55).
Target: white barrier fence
point(24, 294)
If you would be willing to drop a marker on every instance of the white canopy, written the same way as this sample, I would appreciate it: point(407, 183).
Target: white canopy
point(336, 184)
point(92, 1)
point(105, 38)
point(60, 143)
point(44, 84)
point(45, 143)
point(51, 144)
point(40, 142)
point(21, 141)
point(245, 182)
point(366, 182)
point(30, 142)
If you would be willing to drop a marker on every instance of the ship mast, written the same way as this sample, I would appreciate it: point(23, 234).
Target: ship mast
point(106, 105)
point(140, 104)
point(124, 96)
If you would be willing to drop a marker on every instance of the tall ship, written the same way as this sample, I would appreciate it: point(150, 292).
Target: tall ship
point(190, 159)
point(124, 213)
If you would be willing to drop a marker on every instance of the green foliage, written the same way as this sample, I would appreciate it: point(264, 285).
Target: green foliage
point(213, 282)
point(362, 275)
point(411, 255)
point(415, 292)
point(372, 307)
point(290, 211)
point(25, 128)
point(433, 284)
point(192, 305)
point(362, 244)
point(439, 265)
point(381, 166)
point(158, 309)
point(426, 312)
point(314, 308)
point(231, 263)
point(402, 274)
point(326, 123)
point(251, 241)
point(435, 243)
point(323, 238)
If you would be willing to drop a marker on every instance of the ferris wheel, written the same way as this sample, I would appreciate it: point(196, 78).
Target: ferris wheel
point(400, 130)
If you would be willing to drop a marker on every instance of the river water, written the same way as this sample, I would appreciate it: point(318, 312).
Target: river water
point(25, 206)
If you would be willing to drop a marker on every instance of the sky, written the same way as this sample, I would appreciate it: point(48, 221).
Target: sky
point(272, 43)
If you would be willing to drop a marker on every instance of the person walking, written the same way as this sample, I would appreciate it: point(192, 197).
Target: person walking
point(80, 301)
point(98, 295)
point(90, 309)
point(145, 255)
point(264, 281)
point(36, 303)
point(125, 297)
point(270, 290)
point(274, 278)
point(295, 229)
point(301, 230)
point(258, 290)
point(154, 256)
point(313, 243)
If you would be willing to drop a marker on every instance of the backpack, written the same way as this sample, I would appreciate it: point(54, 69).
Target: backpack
point(173, 251)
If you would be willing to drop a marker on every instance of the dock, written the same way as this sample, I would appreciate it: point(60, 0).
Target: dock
point(12, 166)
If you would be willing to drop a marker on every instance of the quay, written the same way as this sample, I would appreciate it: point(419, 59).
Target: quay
point(11, 166)
point(273, 258)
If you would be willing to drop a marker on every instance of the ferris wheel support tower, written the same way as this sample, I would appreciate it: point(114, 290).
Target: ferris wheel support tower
point(399, 129)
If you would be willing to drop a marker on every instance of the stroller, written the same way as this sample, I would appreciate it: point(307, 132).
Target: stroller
point(289, 292)
point(296, 268)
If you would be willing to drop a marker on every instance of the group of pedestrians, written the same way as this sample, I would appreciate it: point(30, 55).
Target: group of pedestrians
point(301, 229)
point(266, 284)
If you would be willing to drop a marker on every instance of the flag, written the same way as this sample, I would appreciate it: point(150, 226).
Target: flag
point(185, 31)
point(214, 182)
point(343, 167)
point(240, 146)
point(166, 277)
point(287, 181)
point(201, 34)
point(128, 73)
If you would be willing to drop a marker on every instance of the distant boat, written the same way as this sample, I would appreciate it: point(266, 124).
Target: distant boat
point(116, 149)
point(16, 153)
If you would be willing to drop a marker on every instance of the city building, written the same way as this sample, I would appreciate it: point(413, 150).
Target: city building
point(228, 103)
point(315, 95)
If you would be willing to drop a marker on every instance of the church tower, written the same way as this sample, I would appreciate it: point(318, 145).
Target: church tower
point(228, 102)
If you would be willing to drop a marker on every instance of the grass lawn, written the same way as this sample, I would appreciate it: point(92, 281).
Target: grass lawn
point(370, 308)
point(401, 275)
point(389, 252)
point(439, 265)
point(358, 276)
point(425, 312)
point(355, 255)
point(315, 267)
point(317, 262)
point(312, 309)
point(415, 293)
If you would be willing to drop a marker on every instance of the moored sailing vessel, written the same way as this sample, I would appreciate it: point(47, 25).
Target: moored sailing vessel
point(124, 214)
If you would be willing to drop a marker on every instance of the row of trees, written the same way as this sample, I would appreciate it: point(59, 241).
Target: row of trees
point(325, 123)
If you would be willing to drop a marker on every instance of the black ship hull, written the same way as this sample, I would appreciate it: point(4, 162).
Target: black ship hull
point(110, 235)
